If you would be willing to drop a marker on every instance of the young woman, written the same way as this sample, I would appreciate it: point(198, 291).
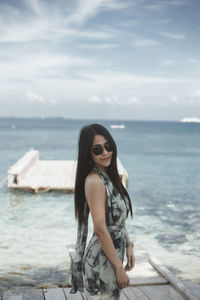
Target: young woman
point(98, 189)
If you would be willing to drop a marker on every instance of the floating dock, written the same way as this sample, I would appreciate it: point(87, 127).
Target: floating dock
point(31, 173)
point(149, 280)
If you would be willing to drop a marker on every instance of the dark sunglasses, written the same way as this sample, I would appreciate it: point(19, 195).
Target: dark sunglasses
point(98, 149)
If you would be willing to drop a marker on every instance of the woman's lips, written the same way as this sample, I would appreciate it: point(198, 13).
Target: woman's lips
point(105, 159)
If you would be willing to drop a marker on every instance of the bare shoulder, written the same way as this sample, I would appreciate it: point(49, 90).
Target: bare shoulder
point(93, 181)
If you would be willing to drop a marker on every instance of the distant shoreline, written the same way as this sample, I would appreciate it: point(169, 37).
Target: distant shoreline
point(87, 119)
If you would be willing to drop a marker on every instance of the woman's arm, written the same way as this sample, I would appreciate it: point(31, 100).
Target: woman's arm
point(129, 253)
point(96, 197)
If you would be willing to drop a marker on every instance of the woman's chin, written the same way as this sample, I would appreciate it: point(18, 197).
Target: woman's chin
point(106, 163)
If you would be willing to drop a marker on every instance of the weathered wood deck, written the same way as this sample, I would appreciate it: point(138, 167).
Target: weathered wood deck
point(160, 292)
point(149, 280)
point(30, 173)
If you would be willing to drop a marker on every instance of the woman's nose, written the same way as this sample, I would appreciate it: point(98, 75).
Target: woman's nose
point(104, 151)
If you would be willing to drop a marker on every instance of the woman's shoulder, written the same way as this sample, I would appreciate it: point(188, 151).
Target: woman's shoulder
point(93, 180)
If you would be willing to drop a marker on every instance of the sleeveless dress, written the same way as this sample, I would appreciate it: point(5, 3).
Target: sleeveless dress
point(99, 274)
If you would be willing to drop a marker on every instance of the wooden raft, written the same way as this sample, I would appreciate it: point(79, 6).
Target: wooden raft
point(31, 173)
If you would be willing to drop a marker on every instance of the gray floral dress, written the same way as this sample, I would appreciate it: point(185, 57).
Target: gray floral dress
point(99, 274)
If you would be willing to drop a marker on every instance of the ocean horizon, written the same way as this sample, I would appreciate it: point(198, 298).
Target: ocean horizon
point(162, 159)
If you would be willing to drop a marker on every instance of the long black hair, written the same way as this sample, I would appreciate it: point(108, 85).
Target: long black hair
point(85, 164)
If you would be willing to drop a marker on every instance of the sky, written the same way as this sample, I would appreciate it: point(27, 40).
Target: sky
point(103, 59)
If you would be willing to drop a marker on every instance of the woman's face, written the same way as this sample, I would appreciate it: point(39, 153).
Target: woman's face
point(103, 160)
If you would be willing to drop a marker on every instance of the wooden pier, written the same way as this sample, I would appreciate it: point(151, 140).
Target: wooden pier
point(149, 280)
point(31, 173)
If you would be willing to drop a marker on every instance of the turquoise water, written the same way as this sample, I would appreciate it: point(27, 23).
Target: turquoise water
point(162, 160)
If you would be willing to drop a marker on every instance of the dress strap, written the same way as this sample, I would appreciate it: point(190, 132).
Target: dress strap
point(103, 175)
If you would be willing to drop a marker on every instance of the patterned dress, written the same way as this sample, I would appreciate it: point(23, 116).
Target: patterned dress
point(99, 274)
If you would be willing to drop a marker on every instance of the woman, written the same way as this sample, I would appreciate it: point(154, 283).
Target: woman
point(98, 189)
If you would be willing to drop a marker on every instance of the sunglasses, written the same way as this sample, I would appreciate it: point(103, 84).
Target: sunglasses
point(98, 149)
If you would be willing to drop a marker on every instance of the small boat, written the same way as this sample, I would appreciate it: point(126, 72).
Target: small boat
point(190, 120)
point(121, 126)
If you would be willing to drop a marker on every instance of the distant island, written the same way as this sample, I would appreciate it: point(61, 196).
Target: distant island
point(190, 120)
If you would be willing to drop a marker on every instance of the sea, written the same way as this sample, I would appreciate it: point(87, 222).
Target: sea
point(162, 160)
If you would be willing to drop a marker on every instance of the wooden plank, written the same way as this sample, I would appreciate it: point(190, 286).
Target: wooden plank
point(193, 287)
point(19, 170)
point(12, 295)
point(143, 273)
point(33, 294)
point(54, 294)
point(171, 292)
point(135, 293)
point(77, 296)
point(123, 296)
point(155, 292)
point(171, 278)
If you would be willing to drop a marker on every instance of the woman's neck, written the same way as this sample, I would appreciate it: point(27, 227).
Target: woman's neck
point(100, 167)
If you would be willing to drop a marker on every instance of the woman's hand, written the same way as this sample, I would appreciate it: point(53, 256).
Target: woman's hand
point(122, 278)
point(130, 259)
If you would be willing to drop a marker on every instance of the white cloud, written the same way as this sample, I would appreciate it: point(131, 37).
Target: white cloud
point(197, 93)
point(193, 61)
point(35, 6)
point(153, 7)
point(168, 62)
point(49, 23)
point(98, 46)
point(87, 9)
point(174, 35)
point(115, 100)
point(174, 99)
point(164, 21)
point(178, 2)
point(35, 98)
point(134, 101)
point(95, 99)
point(39, 64)
point(44, 51)
point(146, 43)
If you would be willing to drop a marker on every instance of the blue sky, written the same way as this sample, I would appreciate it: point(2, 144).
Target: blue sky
point(109, 59)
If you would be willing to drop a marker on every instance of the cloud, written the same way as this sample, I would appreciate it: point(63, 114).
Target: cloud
point(87, 9)
point(35, 98)
point(197, 93)
point(134, 101)
point(35, 6)
point(115, 100)
point(101, 53)
point(95, 99)
point(39, 64)
point(168, 62)
point(193, 61)
point(174, 36)
point(98, 46)
point(177, 2)
point(153, 7)
point(164, 21)
point(146, 43)
point(49, 23)
point(174, 99)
